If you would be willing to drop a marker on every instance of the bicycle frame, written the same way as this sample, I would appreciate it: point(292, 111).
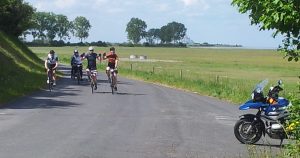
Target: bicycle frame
point(77, 73)
point(50, 79)
point(93, 75)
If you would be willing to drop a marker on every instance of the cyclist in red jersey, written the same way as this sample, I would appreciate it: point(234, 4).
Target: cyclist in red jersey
point(112, 58)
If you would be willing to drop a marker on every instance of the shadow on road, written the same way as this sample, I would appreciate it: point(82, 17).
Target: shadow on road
point(135, 94)
point(65, 87)
point(46, 99)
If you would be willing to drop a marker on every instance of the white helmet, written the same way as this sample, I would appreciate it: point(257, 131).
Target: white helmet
point(91, 48)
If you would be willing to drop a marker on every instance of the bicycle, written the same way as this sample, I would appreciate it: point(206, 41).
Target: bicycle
point(93, 79)
point(113, 80)
point(50, 80)
point(77, 73)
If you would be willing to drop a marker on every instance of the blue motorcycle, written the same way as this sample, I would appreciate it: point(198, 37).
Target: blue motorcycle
point(269, 119)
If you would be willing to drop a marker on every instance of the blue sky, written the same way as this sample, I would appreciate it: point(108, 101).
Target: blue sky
point(212, 21)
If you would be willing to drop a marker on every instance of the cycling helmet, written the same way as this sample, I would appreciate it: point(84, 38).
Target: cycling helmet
point(51, 52)
point(91, 48)
point(75, 51)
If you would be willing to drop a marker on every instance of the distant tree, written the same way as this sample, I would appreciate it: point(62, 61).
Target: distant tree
point(40, 26)
point(63, 26)
point(173, 31)
point(283, 16)
point(152, 35)
point(165, 34)
point(15, 16)
point(81, 27)
point(178, 31)
point(136, 30)
point(52, 26)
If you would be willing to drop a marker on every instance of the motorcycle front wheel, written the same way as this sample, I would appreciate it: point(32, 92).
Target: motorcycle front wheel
point(246, 135)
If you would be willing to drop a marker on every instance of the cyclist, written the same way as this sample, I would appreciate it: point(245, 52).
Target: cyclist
point(51, 63)
point(112, 64)
point(92, 61)
point(76, 60)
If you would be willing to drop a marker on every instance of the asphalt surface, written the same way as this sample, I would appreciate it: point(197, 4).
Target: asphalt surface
point(142, 120)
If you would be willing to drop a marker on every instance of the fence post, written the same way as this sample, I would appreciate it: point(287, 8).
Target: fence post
point(131, 67)
point(181, 74)
point(153, 69)
point(217, 78)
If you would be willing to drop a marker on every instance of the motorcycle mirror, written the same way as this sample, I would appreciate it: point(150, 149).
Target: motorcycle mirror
point(279, 82)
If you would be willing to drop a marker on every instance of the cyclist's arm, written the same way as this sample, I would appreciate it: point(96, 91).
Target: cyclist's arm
point(104, 56)
point(99, 58)
point(56, 64)
point(116, 62)
point(72, 61)
point(46, 65)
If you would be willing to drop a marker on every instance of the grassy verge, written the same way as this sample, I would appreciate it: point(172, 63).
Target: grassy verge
point(21, 70)
point(233, 90)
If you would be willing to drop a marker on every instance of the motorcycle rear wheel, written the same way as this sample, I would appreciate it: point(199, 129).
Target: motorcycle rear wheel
point(240, 131)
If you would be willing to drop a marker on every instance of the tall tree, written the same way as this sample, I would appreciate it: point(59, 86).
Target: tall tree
point(165, 34)
point(63, 26)
point(136, 30)
point(40, 24)
point(52, 27)
point(15, 16)
point(173, 31)
point(81, 27)
point(152, 35)
point(178, 31)
point(283, 16)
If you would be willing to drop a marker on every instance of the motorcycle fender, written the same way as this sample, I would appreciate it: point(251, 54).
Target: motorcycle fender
point(252, 117)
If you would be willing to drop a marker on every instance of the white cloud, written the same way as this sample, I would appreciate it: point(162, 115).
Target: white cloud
point(162, 7)
point(190, 2)
point(63, 4)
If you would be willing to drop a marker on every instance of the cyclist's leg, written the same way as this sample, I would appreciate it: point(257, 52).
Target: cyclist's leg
point(115, 80)
point(95, 78)
point(88, 73)
point(54, 77)
point(48, 75)
point(107, 72)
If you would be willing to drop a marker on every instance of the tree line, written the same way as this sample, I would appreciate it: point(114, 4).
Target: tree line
point(19, 18)
point(48, 26)
point(173, 32)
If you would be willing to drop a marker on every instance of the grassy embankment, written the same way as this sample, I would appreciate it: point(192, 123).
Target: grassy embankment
point(229, 74)
point(22, 72)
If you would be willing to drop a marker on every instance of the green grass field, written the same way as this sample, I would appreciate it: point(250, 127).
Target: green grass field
point(228, 74)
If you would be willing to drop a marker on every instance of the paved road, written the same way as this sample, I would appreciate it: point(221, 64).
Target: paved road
point(142, 121)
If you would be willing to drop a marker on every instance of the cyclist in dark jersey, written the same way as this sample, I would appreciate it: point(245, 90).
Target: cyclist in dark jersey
point(51, 63)
point(92, 63)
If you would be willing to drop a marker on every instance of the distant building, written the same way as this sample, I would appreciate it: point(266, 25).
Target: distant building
point(187, 40)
